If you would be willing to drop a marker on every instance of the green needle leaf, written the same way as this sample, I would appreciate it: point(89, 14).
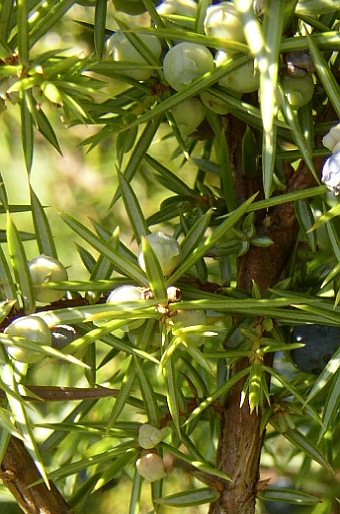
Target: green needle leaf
point(21, 271)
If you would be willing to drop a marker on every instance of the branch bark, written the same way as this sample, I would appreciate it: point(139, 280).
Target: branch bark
point(241, 440)
point(18, 472)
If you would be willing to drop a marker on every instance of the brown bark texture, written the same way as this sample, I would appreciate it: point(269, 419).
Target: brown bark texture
point(241, 440)
point(18, 472)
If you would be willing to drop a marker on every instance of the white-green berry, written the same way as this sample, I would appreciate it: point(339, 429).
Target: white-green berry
point(149, 436)
point(181, 7)
point(223, 21)
point(33, 329)
point(46, 269)
point(132, 7)
point(151, 467)
point(167, 250)
point(184, 320)
point(186, 62)
point(298, 90)
point(188, 115)
point(120, 48)
point(244, 79)
point(125, 294)
point(213, 103)
point(332, 139)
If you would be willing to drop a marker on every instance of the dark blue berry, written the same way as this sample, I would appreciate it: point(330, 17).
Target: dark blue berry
point(321, 342)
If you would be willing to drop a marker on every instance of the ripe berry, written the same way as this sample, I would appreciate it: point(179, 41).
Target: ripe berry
point(186, 62)
point(320, 341)
point(62, 335)
point(46, 269)
point(167, 250)
point(122, 50)
point(32, 328)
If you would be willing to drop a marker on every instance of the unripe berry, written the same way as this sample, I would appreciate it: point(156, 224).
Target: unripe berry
point(298, 90)
point(244, 79)
point(213, 103)
point(188, 115)
point(5, 90)
point(46, 269)
point(132, 7)
point(86, 3)
point(122, 50)
point(126, 294)
point(149, 436)
point(186, 62)
point(167, 250)
point(223, 21)
point(181, 7)
point(32, 328)
point(151, 467)
point(190, 318)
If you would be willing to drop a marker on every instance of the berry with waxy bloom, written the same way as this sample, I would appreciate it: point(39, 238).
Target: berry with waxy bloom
point(187, 319)
point(243, 79)
point(62, 335)
point(331, 173)
point(188, 115)
point(213, 103)
point(182, 7)
point(132, 7)
point(167, 250)
point(33, 329)
point(149, 436)
point(332, 139)
point(151, 467)
point(124, 294)
point(223, 21)
point(321, 342)
point(298, 90)
point(186, 62)
point(120, 48)
point(46, 269)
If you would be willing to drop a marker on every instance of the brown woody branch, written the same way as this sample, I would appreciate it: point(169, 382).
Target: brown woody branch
point(18, 472)
point(241, 440)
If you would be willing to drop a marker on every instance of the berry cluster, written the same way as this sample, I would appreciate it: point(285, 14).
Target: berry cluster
point(32, 329)
point(150, 465)
point(183, 323)
point(45, 269)
point(183, 63)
